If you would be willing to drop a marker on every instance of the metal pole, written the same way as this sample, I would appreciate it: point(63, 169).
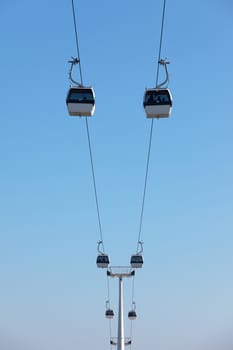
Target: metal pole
point(120, 272)
point(121, 337)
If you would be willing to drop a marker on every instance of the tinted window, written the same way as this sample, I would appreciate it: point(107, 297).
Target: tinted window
point(136, 258)
point(81, 96)
point(157, 98)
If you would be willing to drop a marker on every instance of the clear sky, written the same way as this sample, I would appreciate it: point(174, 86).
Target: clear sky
point(52, 294)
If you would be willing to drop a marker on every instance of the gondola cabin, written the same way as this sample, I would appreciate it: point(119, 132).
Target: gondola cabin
point(80, 101)
point(109, 313)
point(102, 261)
point(136, 261)
point(157, 103)
point(112, 342)
point(132, 315)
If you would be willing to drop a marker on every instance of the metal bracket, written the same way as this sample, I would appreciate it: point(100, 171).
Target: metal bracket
point(98, 247)
point(140, 243)
point(164, 63)
point(73, 62)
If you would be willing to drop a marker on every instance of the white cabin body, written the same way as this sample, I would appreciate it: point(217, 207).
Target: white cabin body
point(80, 101)
point(157, 103)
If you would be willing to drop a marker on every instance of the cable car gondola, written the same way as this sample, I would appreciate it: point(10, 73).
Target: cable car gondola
point(132, 315)
point(136, 261)
point(109, 313)
point(102, 261)
point(80, 101)
point(127, 342)
point(157, 103)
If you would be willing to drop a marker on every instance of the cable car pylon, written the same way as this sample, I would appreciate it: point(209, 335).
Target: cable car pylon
point(120, 272)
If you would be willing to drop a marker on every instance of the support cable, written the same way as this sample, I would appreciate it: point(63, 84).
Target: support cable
point(76, 40)
point(149, 152)
point(108, 289)
point(133, 289)
point(87, 128)
point(110, 333)
point(151, 130)
point(131, 324)
point(109, 322)
point(132, 303)
point(94, 184)
point(160, 42)
point(131, 333)
point(145, 183)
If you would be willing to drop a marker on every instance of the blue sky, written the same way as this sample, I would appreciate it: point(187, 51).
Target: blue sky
point(52, 295)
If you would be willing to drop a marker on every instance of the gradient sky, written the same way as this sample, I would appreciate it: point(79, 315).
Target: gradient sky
point(52, 295)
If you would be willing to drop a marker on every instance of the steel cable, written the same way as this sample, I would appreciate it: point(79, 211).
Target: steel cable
point(87, 129)
point(160, 41)
point(77, 42)
point(151, 131)
point(94, 184)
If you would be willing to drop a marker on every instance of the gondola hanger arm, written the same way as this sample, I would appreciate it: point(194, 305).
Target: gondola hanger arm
point(73, 62)
point(140, 247)
point(164, 63)
point(100, 243)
